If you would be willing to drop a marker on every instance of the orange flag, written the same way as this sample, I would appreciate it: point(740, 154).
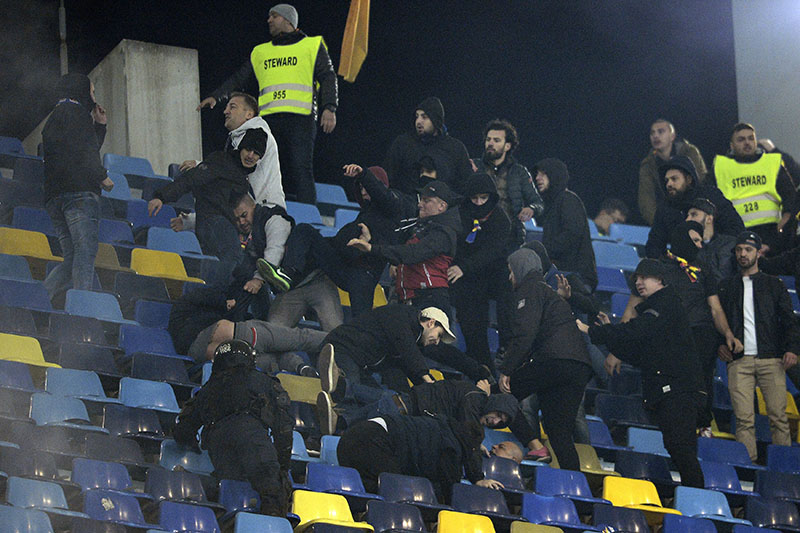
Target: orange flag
point(354, 42)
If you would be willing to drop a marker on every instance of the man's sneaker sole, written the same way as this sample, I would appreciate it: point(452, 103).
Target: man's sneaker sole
point(273, 275)
point(325, 413)
point(328, 371)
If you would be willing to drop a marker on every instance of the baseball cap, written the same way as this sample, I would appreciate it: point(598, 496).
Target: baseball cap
point(439, 189)
point(749, 237)
point(439, 316)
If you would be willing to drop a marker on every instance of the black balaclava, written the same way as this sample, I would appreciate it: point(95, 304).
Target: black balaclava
point(480, 183)
point(680, 242)
point(254, 139)
point(76, 87)
point(541, 251)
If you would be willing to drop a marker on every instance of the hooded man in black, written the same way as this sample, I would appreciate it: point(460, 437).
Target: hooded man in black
point(478, 272)
point(429, 139)
point(217, 184)
point(73, 177)
point(564, 223)
point(682, 186)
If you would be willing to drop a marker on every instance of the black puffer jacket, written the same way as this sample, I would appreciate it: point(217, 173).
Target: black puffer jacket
point(564, 224)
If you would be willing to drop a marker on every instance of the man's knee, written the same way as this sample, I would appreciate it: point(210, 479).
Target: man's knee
point(223, 331)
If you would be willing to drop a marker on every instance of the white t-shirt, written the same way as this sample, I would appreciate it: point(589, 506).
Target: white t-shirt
point(748, 307)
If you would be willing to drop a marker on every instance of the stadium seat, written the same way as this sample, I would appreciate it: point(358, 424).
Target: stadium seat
point(126, 164)
point(14, 267)
point(88, 357)
point(483, 501)
point(25, 294)
point(615, 255)
point(629, 234)
point(321, 477)
point(778, 485)
point(148, 395)
point(729, 452)
point(305, 214)
point(647, 441)
point(316, 507)
point(455, 522)
point(777, 514)
point(18, 520)
point(619, 302)
point(179, 242)
point(33, 219)
point(327, 449)
point(636, 494)
point(34, 464)
point(328, 193)
point(722, 478)
point(137, 215)
point(155, 367)
point(622, 411)
point(152, 314)
point(29, 170)
point(107, 259)
point(237, 496)
point(506, 472)
point(140, 425)
point(590, 465)
point(91, 474)
point(173, 455)
point(556, 511)
point(17, 321)
point(250, 522)
point(112, 506)
point(783, 459)
point(600, 439)
point(72, 328)
point(14, 375)
point(11, 146)
point(135, 338)
point(752, 529)
point(653, 468)
point(177, 486)
point(394, 517)
point(131, 287)
point(56, 410)
point(81, 384)
point(526, 527)
point(300, 452)
point(33, 244)
point(300, 388)
point(40, 495)
point(702, 503)
point(417, 491)
point(612, 280)
point(15, 192)
point(22, 349)
point(121, 190)
point(100, 305)
point(626, 382)
point(378, 297)
point(115, 232)
point(619, 518)
point(342, 217)
point(680, 524)
point(567, 483)
point(159, 264)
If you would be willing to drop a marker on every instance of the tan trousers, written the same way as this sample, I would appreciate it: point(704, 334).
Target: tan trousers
point(743, 376)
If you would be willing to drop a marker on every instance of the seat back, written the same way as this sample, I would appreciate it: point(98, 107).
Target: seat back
point(138, 216)
point(622, 491)
point(52, 409)
point(22, 492)
point(100, 305)
point(114, 231)
point(615, 255)
point(619, 518)
point(526, 527)
point(720, 476)
point(777, 485)
point(113, 449)
point(14, 267)
point(33, 219)
point(385, 516)
point(238, 496)
point(121, 190)
point(126, 164)
point(723, 451)
point(783, 459)
point(473, 498)
point(647, 441)
point(113, 507)
point(70, 382)
point(503, 470)
point(24, 520)
point(612, 280)
point(157, 263)
point(24, 294)
point(73, 328)
point(134, 338)
point(321, 477)
point(148, 394)
point(327, 449)
point(131, 287)
point(87, 357)
point(400, 488)
point(15, 375)
point(674, 523)
point(304, 213)
point(311, 506)
point(152, 314)
point(155, 367)
point(15, 241)
point(22, 349)
point(249, 522)
point(599, 433)
point(167, 240)
point(544, 509)
point(620, 410)
point(691, 501)
point(763, 512)
point(455, 522)
point(165, 484)
point(637, 465)
point(173, 455)
point(124, 421)
point(343, 217)
point(557, 482)
point(92, 474)
point(629, 234)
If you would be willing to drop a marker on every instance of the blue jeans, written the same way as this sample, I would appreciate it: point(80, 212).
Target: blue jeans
point(219, 237)
point(369, 402)
point(75, 217)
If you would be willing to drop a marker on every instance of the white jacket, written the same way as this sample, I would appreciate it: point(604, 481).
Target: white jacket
point(265, 180)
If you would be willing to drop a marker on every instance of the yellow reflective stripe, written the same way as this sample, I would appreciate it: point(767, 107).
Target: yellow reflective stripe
point(287, 87)
point(764, 217)
point(766, 197)
point(285, 103)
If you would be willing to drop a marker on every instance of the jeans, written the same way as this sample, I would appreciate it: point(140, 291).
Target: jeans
point(75, 217)
point(530, 408)
point(219, 237)
point(319, 295)
point(307, 250)
point(295, 137)
point(363, 402)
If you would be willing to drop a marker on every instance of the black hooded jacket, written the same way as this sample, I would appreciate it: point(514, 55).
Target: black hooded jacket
point(71, 141)
point(485, 239)
point(674, 210)
point(565, 225)
point(215, 183)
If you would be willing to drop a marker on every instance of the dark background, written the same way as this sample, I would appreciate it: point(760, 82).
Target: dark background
point(581, 80)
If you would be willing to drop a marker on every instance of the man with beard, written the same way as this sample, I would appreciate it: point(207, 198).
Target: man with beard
point(515, 190)
point(429, 139)
point(759, 186)
point(760, 312)
point(717, 250)
point(680, 177)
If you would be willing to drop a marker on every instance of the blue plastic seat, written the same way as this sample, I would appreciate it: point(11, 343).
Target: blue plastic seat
point(113, 506)
point(783, 459)
point(343, 217)
point(722, 477)
point(33, 219)
point(621, 411)
point(15, 375)
point(132, 287)
point(626, 382)
point(41, 495)
point(174, 486)
point(778, 485)
point(91, 474)
point(647, 441)
point(77, 329)
point(152, 314)
point(32, 464)
point(620, 518)
point(237, 496)
point(394, 517)
point(752, 529)
point(148, 395)
point(121, 190)
point(141, 425)
point(417, 491)
point(505, 471)
point(729, 452)
point(115, 449)
point(674, 523)
point(299, 450)
point(29, 170)
point(568, 483)
point(88, 357)
point(557, 511)
point(126, 164)
point(100, 305)
point(321, 477)
point(612, 280)
point(167, 240)
point(484, 501)
point(82, 384)
point(16, 520)
point(136, 338)
point(173, 455)
point(250, 522)
point(600, 439)
point(183, 517)
point(14, 267)
point(777, 514)
point(615, 255)
point(327, 449)
point(11, 145)
point(159, 368)
point(25, 294)
point(653, 468)
point(137, 215)
point(304, 213)
point(629, 234)
point(115, 232)
point(619, 302)
point(55, 410)
point(702, 503)
point(328, 193)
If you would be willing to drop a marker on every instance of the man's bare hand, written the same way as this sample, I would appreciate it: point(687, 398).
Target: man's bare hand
point(352, 170)
point(583, 328)
point(208, 101)
point(328, 120)
point(176, 223)
point(360, 244)
point(564, 289)
point(789, 360)
point(99, 114)
point(724, 353)
point(154, 206)
point(454, 273)
point(490, 483)
point(483, 385)
point(602, 318)
point(254, 285)
point(107, 184)
point(365, 234)
point(612, 364)
point(734, 344)
point(504, 383)
point(188, 164)
point(525, 214)
point(427, 378)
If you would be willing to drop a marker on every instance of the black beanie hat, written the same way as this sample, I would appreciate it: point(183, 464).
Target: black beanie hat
point(680, 242)
point(541, 251)
point(75, 87)
point(254, 139)
point(435, 110)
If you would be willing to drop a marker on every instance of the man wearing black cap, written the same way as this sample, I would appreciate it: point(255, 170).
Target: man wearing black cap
point(217, 184)
point(430, 139)
point(717, 250)
point(295, 78)
point(682, 186)
point(760, 314)
point(430, 244)
point(660, 342)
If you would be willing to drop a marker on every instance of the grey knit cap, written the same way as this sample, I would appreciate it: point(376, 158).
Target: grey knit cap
point(523, 261)
point(286, 11)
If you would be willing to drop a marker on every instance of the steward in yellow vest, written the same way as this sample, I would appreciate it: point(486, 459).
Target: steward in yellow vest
point(759, 187)
point(295, 78)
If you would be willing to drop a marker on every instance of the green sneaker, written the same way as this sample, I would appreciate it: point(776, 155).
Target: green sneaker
point(274, 275)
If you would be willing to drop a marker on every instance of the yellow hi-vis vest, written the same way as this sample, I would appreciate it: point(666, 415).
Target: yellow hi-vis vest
point(751, 187)
point(285, 76)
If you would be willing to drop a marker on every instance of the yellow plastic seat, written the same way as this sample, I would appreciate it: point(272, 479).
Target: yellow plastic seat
point(378, 298)
point(527, 527)
point(636, 494)
point(791, 407)
point(453, 522)
point(15, 241)
point(23, 350)
point(591, 467)
point(107, 258)
point(435, 374)
point(300, 388)
point(318, 507)
point(167, 265)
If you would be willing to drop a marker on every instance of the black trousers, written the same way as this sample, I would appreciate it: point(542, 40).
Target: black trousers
point(295, 137)
point(676, 414)
point(707, 341)
point(559, 384)
point(366, 447)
